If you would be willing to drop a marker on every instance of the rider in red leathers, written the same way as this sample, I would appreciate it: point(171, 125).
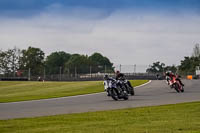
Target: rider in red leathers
point(170, 76)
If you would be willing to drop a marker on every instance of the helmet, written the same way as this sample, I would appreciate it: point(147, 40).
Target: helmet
point(117, 72)
point(168, 73)
point(106, 77)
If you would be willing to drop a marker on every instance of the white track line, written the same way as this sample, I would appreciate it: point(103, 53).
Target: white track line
point(143, 84)
point(69, 96)
point(105, 92)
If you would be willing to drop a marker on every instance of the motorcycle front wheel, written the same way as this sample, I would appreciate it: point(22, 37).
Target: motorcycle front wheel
point(176, 87)
point(125, 95)
point(113, 94)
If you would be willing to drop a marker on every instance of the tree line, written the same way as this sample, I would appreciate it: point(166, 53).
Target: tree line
point(187, 66)
point(190, 64)
point(15, 62)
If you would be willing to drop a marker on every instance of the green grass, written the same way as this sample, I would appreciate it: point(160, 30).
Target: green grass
point(178, 118)
point(22, 91)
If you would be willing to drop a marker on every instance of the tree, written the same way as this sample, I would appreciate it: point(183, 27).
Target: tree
point(196, 51)
point(100, 63)
point(3, 63)
point(77, 64)
point(172, 68)
point(32, 58)
point(188, 65)
point(9, 61)
point(14, 55)
point(84, 64)
point(55, 61)
point(157, 67)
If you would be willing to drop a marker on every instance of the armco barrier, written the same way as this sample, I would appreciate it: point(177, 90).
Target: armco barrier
point(85, 77)
point(14, 79)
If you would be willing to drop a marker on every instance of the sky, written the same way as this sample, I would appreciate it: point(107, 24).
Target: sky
point(128, 32)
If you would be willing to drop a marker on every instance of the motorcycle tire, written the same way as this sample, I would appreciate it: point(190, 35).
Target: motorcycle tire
point(125, 97)
point(132, 92)
point(114, 94)
point(176, 87)
point(182, 90)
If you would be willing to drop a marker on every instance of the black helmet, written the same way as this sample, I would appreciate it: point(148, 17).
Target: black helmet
point(168, 73)
point(106, 77)
point(117, 72)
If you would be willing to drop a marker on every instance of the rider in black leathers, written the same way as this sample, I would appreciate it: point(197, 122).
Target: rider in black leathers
point(120, 76)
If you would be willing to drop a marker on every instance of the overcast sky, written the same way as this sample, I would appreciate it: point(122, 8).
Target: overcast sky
point(126, 31)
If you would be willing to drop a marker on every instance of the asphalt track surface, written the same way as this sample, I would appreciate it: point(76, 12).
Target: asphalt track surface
point(154, 93)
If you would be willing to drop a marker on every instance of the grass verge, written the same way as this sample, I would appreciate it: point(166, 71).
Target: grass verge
point(178, 118)
point(13, 91)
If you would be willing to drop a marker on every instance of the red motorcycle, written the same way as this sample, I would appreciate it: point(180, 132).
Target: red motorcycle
point(174, 83)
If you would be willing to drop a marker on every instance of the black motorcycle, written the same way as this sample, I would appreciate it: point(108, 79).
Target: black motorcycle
point(114, 90)
point(127, 85)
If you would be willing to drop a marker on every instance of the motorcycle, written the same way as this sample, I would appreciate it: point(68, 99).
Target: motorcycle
point(174, 83)
point(111, 86)
point(129, 88)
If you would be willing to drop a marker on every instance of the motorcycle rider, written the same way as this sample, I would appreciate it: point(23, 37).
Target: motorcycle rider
point(170, 76)
point(107, 78)
point(120, 76)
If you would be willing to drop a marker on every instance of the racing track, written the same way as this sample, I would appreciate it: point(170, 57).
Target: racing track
point(155, 93)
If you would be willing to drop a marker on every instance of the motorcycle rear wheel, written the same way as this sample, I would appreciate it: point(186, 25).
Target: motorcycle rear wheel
point(132, 92)
point(114, 94)
point(182, 90)
point(125, 95)
point(176, 87)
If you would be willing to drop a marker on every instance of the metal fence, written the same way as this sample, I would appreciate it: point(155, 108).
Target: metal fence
point(79, 74)
point(135, 68)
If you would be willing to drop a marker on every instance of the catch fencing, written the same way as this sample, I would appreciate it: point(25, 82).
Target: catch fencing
point(89, 73)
